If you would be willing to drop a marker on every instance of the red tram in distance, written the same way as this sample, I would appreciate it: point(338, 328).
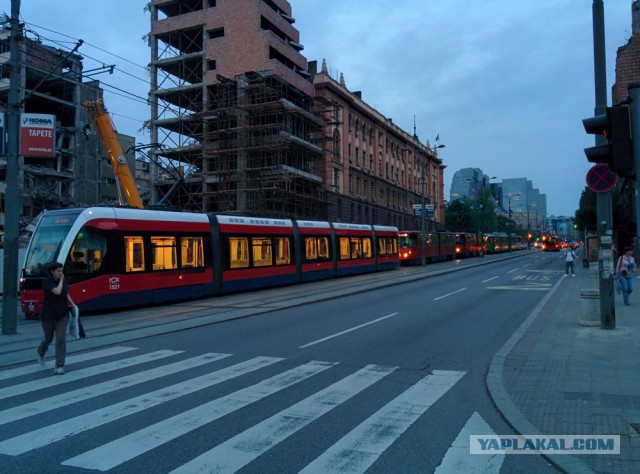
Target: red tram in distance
point(438, 246)
point(448, 245)
point(118, 258)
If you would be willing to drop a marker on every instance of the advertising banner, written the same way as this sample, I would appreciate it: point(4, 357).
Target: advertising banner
point(37, 135)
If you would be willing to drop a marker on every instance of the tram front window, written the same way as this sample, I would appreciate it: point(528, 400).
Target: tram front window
point(46, 243)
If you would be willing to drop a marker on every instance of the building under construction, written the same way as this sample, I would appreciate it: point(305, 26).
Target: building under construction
point(244, 124)
point(231, 140)
point(51, 81)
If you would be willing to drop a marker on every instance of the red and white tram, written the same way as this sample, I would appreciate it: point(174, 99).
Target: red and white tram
point(121, 257)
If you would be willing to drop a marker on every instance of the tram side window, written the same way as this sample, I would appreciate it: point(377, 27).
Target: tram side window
point(261, 250)
point(387, 246)
point(134, 253)
point(192, 252)
point(87, 252)
point(316, 248)
point(311, 248)
point(238, 252)
point(345, 249)
point(283, 251)
point(355, 247)
point(163, 255)
point(367, 248)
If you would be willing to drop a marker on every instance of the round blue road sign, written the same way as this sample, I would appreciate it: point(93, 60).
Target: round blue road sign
point(600, 178)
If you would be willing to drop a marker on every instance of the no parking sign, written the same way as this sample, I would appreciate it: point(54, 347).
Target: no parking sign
point(601, 179)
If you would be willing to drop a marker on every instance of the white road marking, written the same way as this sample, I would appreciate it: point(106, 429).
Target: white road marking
point(489, 279)
point(135, 444)
point(73, 359)
point(459, 459)
point(360, 448)
point(514, 270)
point(52, 433)
point(64, 399)
point(72, 376)
point(347, 331)
point(449, 294)
point(240, 450)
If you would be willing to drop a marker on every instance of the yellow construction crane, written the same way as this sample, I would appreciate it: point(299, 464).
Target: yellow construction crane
point(107, 131)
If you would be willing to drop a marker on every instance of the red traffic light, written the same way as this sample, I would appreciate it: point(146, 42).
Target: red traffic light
point(617, 153)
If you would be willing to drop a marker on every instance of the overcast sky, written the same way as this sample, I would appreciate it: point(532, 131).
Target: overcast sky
point(504, 83)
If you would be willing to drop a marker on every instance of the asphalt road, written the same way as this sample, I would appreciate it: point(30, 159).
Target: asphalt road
point(387, 380)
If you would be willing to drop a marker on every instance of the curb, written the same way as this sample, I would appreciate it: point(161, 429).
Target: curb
point(501, 399)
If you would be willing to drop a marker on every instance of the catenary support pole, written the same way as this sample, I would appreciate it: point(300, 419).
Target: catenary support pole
point(12, 194)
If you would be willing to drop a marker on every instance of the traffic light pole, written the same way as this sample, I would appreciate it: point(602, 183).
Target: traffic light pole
point(603, 200)
point(634, 93)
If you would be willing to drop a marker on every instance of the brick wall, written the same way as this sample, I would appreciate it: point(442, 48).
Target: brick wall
point(628, 60)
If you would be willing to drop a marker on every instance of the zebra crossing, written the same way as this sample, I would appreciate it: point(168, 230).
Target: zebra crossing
point(355, 451)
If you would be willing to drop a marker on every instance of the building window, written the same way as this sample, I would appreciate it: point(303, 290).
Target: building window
point(216, 33)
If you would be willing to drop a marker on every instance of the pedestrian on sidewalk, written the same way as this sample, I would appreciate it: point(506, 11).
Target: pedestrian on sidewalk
point(569, 258)
point(54, 315)
point(625, 268)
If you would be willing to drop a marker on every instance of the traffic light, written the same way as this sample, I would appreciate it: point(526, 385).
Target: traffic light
point(617, 153)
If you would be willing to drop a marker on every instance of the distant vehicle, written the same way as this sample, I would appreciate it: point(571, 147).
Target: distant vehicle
point(574, 245)
point(551, 244)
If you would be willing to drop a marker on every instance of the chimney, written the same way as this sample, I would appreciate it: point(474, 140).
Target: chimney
point(635, 17)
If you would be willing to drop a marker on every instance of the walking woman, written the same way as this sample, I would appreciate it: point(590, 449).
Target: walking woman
point(625, 268)
point(55, 315)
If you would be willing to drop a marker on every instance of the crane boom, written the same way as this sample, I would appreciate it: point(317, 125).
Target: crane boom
point(98, 112)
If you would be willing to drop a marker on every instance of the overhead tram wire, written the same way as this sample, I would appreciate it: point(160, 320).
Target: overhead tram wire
point(124, 93)
point(86, 43)
point(63, 46)
point(121, 92)
point(112, 89)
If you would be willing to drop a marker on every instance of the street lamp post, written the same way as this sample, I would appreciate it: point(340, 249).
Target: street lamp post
point(480, 200)
point(423, 241)
point(423, 260)
point(509, 196)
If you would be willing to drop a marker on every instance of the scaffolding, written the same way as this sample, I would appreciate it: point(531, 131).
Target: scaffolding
point(256, 150)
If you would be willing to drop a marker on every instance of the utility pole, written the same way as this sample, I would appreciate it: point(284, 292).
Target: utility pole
point(603, 199)
point(634, 93)
point(423, 237)
point(12, 194)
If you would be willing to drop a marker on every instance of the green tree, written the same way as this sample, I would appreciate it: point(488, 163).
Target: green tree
point(470, 215)
point(458, 215)
point(586, 215)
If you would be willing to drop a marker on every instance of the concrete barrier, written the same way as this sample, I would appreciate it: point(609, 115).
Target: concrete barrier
point(590, 307)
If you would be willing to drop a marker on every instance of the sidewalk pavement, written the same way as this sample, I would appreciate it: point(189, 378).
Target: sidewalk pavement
point(554, 376)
